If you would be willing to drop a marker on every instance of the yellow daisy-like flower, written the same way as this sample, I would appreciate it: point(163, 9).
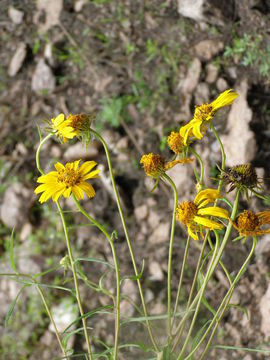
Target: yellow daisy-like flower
point(204, 114)
point(155, 166)
point(195, 215)
point(62, 128)
point(249, 223)
point(66, 180)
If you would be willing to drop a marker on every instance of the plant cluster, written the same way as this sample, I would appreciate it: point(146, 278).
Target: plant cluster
point(209, 218)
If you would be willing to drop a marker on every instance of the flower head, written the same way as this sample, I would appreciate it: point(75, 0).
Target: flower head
point(81, 124)
point(242, 176)
point(195, 215)
point(204, 114)
point(66, 180)
point(155, 166)
point(249, 224)
point(62, 128)
point(176, 142)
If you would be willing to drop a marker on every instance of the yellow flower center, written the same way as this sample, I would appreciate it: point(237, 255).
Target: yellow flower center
point(153, 164)
point(203, 112)
point(247, 221)
point(78, 121)
point(186, 212)
point(175, 142)
point(68, 176)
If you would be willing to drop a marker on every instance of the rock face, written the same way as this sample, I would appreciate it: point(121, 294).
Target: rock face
point(265, 313)
point(239, 143)
point(207, 49)
point(15, 15)
point(17, 60)
point(43, 79)
point(192, 9)
point(52, 10)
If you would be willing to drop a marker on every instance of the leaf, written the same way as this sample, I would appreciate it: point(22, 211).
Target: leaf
point(11, 243)
point(198, 336)
point(134, 277)
point(225, 347)
point(152, 318)
point(243, 309)
point(12, 306)
point(200, 281)
point(100, 261)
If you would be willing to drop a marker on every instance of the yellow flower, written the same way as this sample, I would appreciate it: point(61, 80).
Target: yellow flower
point(249, 223)
point(66, 180)
point(62, 128)
point(81, 124)
point(176, 142)
point(155, 166)
point(204, 114)
point(195, 215)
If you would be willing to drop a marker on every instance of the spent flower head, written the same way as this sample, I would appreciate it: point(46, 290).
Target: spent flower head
point(66, 180)
point(176, 142)
point(250, 224)
point(204, 114)
point(155, 165)
point(81, 124)
point(195, 214)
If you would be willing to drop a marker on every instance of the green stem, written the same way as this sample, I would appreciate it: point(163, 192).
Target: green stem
point(171, 252)
point(180, 328)
point(38, 152)
point(127, 237)
point(225, 302)
point(223, 155)
point(201, 165)
point(207, 276)
point(181, 279)
point(117, 302)
point(52, 320)
point(220, 252)
point(73, 268)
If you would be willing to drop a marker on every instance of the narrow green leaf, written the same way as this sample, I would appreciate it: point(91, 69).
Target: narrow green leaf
point(11, 254)
point(134, 277)
point(243, 309)
point(12, 306)
point(258, 350)
point(100, 261)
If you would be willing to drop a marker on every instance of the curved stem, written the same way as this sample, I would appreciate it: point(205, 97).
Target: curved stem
point(170, 252)
point(127, 237)
point(38, 152)
point(223, 155)
point(117, 302)
point(200, 299)
point(201, 164)
point(225, 302)
point(73, 268)
point(181, 279)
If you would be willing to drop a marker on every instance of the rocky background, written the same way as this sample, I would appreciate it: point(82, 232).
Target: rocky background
point(141, 66)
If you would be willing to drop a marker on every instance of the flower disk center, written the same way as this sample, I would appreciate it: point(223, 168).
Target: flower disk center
point(186, 212)
point(203, 112)
point(248, 221)
point(68, 176)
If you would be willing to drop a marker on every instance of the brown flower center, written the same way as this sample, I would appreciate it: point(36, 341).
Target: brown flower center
point(186, 212)
point(203, 112)
point(175, 142)
point(68, 176)
point(153, 164)
point(247, 221)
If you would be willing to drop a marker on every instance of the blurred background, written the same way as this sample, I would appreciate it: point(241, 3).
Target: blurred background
point(141, 66)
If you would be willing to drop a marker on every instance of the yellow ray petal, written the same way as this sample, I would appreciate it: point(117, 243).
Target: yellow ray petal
point(214, 211)
point(192, 234)
point(87, 166)
point(224, 99)
point(88, 189)
point(91, 175)
point(58, 120)
point(207, 223)
point(77, 191)
point(205, 195)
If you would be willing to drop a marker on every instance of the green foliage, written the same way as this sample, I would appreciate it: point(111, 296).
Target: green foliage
point(250, 51)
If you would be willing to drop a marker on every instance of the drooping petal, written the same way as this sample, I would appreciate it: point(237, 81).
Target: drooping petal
point(207, 223)
point(206, 194)
point(214, 211)
point(88, 189)
point(197, 130)
point(224, 99)
point(77, 191)
point(264, 217)
point(192, 234)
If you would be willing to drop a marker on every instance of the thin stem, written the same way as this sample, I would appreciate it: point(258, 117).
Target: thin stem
point(38, 152)
point(73, 268)
point(171, 251)
point(225, 302)
point(117, 302)
point(52, 320)
point(181, 279)
point(180, 327)
point(220, 252)
point(201, 164)
point(223, 155)
point(200, 299)
point(127, 237)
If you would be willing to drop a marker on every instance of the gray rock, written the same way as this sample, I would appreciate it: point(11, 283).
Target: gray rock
point(192, 9)
point(15, 15)
point(79, 151)
point(222, 85)
point(265, 314)
point(192, 78)
point(211, 73)
point(52, 10)
point(207, 49)
point(243, 151)
point(202, 93)
point(17, 60)
point(43, 79)
point(15, 206)
point(160, 234)
point(141, 212)
point(156, 273)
